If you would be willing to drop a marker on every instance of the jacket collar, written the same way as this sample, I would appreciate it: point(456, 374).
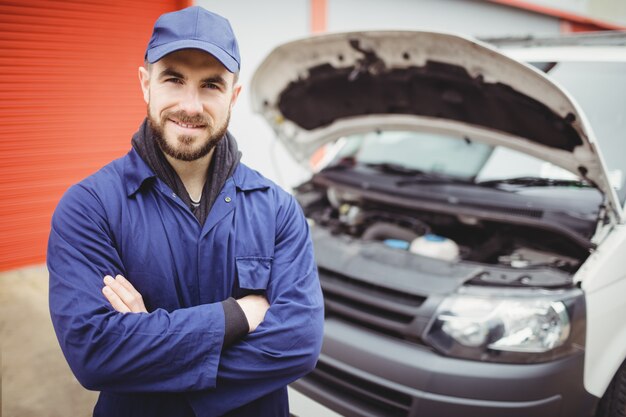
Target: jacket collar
point(247, 179)
point(137, 172)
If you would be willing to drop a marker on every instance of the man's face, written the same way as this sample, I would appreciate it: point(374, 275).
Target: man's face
point(190, 95)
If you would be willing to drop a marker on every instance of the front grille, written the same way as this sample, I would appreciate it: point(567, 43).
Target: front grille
point(382, 309)
point(376, 399)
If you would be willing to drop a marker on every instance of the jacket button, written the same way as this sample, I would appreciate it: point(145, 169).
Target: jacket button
point(228, 199)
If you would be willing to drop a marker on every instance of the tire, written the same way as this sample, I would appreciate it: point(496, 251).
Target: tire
point(613, 403)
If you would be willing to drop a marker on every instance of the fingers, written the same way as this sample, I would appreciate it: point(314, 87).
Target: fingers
point(129, 287)
point(115, 300)
point(122, 291)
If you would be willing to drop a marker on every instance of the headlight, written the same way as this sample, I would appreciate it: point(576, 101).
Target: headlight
point(508, 325)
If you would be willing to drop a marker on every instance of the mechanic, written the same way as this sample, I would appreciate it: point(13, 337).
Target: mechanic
point(182, 282)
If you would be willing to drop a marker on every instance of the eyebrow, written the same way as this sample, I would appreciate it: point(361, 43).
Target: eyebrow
point(217, 79)
point(169, 72)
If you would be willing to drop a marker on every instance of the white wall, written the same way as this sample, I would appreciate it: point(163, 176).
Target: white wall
point(262, 25)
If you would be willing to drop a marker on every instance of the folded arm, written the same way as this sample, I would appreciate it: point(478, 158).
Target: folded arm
point(161, 351)
point(124, 298)
point(286, 343)
point(182, 350)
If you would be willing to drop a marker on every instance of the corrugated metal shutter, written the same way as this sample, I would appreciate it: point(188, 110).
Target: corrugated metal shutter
point(70, 101)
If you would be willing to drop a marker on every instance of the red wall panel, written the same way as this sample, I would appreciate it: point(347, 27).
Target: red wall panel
point(69, 103)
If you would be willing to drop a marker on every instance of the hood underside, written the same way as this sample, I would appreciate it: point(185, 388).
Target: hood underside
point(315, 90)
point(436, 90)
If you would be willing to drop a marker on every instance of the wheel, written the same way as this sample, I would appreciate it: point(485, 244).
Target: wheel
point(613, 403)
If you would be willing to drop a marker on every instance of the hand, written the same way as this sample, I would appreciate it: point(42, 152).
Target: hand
point(254, 307)
point(122, 295)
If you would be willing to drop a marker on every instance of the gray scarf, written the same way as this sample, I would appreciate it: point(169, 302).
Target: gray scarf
point(226, 157)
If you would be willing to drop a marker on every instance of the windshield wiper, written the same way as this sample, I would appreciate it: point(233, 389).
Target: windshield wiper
point(535, 182)
point(391, 168)
point(415, 175)
point(433, 178)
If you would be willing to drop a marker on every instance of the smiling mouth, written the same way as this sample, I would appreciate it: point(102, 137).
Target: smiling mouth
point(187, 125)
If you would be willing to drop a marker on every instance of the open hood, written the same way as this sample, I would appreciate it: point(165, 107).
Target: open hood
point(317, 89)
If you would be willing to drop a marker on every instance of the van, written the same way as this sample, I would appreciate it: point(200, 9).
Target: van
point(466, 209)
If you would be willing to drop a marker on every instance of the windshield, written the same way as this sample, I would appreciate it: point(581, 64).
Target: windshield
point(456, 157)
point(419, 151)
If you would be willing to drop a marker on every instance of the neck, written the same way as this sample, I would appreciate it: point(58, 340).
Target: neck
point(193, 174)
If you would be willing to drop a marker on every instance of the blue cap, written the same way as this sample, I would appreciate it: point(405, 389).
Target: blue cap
point(197, 28)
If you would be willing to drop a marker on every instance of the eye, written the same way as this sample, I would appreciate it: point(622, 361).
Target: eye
point(174, 80)
point(212, 86)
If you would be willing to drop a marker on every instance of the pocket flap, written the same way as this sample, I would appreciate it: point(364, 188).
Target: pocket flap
point(253, 272)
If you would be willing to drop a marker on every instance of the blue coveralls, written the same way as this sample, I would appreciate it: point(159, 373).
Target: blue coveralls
point(124, 220)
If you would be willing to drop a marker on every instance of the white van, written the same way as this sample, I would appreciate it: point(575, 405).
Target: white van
point(469, 232)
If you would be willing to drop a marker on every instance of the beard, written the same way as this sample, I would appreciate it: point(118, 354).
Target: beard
point(180, 147)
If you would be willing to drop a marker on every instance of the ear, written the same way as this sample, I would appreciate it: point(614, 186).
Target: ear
point(144, 80)
point(236, 91)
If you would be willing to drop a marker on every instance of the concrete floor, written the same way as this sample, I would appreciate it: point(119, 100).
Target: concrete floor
point(36, 380)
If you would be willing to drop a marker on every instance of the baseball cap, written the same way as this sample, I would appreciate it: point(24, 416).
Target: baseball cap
point(197, 28)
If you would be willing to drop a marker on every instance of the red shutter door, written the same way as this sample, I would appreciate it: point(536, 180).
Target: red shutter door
point(69, 103)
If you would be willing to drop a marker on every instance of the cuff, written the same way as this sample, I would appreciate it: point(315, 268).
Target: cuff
point(235, 322)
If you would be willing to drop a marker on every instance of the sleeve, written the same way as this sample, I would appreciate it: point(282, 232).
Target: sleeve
point(235, 322)
point(287, 343)
point(111, 351)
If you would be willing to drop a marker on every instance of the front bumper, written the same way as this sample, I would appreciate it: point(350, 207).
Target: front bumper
point(363, 373)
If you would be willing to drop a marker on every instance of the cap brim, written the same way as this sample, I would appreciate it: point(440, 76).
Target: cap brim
point(158, 52)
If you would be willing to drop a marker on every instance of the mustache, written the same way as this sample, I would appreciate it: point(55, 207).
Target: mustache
point(183, 117)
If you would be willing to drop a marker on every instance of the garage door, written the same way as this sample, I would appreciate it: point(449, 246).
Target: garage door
point(70, 101)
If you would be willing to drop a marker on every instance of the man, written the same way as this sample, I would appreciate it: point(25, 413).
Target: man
point(182, 283)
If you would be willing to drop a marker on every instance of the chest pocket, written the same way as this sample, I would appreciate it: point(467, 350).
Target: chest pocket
point(253, 274)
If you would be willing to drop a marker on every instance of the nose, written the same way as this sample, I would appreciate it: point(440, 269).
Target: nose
point(190, 102)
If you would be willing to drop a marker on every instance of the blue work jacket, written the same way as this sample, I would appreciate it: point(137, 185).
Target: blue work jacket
point(170, 361)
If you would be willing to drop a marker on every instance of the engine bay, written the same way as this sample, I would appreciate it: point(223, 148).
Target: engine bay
point(449, 236)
